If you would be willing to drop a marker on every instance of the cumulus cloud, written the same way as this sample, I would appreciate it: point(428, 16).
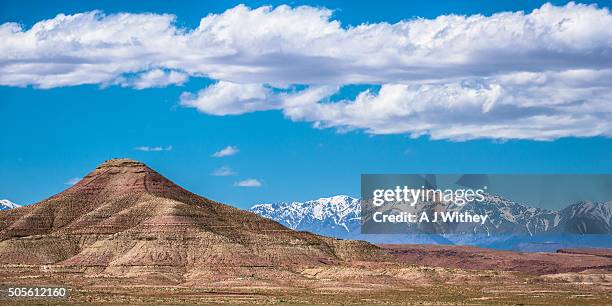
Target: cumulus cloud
point(508, 107)
point(248, 183)
point(226, 98)
point(227, 151)
point(534, 75)
point(153, 149)
point(223, 171)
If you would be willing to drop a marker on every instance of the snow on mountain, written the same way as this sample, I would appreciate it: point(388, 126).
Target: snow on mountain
point(336, 216)
point(586, 217)
point(507, 216)
point(339, 216)
point(6, 205)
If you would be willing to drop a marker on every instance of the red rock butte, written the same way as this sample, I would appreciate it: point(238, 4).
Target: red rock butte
point(125, 217)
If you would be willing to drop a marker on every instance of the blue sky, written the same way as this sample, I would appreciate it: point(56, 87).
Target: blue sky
point(55, 132)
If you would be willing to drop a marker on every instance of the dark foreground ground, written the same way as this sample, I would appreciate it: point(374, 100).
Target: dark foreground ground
point(431, 295)
point(422, 274)
point(475, 258)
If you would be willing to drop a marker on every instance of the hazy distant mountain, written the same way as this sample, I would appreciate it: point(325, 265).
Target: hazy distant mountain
point(586, 218)
point(508, 217)
point(6, 204)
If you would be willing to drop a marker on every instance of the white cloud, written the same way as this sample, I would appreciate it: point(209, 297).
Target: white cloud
point(248, 183)
point(156, 78)
point(511, 107)
point(535, 75)
point(227, 151)
point(226, 98)
point(153, 149)
point(223, 171)
point(302, 45)
point(73, 181)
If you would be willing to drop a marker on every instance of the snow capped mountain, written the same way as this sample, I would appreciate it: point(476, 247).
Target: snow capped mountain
point(336, 216)
point(506, 216)
point(586, 217)
point(339, 216)
point(6, 205)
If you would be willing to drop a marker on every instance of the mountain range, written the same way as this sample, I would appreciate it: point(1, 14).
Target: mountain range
point(336, 216)
point(339, 216)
